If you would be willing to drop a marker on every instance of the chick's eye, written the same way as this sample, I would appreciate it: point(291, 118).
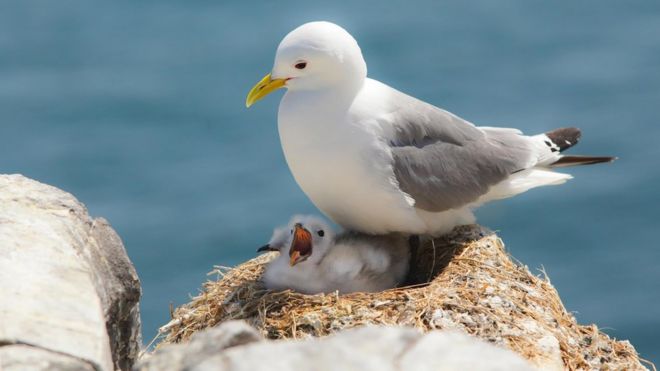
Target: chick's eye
point(301, 65)
point(321, 233)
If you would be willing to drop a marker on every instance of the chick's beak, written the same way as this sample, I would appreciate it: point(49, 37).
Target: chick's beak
point(294, 258)
point(301, 246)
point(264, 87)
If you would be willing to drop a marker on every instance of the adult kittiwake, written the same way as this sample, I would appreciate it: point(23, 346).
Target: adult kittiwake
point(376, 160)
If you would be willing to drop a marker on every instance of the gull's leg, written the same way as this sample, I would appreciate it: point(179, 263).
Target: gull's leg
point(413, 243)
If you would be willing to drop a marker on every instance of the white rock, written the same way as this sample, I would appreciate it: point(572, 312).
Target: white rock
point(202, 345)
point(449, 351)
point(66, 283)
point(363, 349)
point(28, 358)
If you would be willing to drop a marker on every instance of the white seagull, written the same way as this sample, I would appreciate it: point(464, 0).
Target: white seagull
point(314, 260)
point(376, 160)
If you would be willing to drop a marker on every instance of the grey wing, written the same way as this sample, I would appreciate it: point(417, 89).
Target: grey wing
point(445, 162)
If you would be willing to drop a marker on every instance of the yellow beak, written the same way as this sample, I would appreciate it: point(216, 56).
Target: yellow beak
point(263, 88)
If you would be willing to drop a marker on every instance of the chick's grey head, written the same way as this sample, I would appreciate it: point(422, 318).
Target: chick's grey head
point(310, 237)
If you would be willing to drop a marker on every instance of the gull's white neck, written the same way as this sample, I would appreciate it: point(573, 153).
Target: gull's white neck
point(314, 120)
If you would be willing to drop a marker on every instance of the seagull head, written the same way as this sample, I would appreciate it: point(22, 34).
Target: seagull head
point(315, 56)
point(310, 238)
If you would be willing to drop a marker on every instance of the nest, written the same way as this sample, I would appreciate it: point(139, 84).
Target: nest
point(463, 281)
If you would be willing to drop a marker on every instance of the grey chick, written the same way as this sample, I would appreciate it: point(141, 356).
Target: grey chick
point(313, 259)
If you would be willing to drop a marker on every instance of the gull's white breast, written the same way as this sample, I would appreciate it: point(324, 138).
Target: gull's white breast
point(342, 165)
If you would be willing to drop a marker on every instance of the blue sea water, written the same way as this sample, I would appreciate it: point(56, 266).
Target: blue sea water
point(137, 108)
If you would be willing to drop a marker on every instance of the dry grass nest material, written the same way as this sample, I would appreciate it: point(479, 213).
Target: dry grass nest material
point(476, 287)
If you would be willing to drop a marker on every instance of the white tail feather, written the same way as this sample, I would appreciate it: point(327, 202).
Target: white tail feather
point(521, 182)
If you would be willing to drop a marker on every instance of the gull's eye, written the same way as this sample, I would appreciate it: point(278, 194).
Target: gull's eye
point(321, 233)
point(301, 65)
point(292, 231)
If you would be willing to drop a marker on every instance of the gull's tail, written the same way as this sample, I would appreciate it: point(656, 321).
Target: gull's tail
point(561, 139)
point(549, 146)
point(581, 160)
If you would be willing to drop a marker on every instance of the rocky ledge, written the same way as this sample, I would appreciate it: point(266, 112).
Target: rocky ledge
point(69, 294)
point(234, 345)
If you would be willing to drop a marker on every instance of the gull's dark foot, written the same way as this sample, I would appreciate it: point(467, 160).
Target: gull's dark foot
point(414, 243)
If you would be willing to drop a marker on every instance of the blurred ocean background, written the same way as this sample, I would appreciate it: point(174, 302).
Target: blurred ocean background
point(137, 108)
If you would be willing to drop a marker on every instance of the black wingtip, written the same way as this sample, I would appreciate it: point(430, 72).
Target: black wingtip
point(564, 138)
point(582, 160)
